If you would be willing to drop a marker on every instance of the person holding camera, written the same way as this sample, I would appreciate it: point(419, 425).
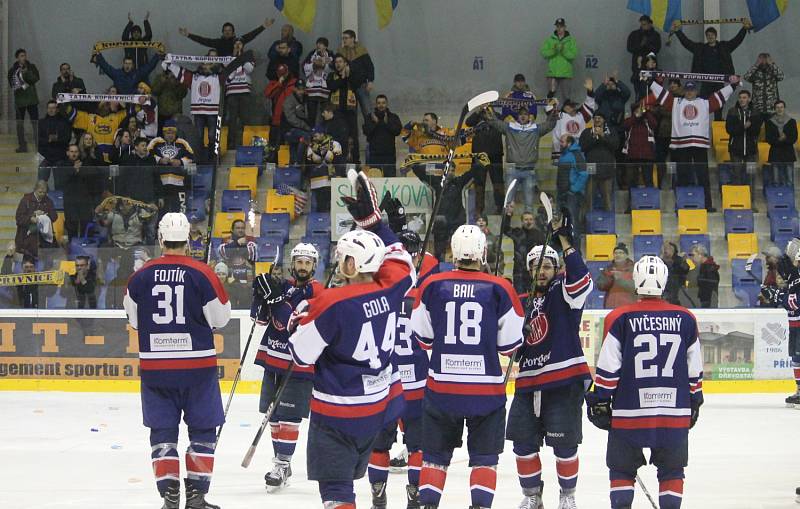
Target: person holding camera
point(764, 75)
point(381, 128)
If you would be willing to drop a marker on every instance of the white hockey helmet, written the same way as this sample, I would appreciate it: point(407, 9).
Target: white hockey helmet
point(173, 227)
point(304, 249)
point(650, 275)
point(536, 252)
point(468, 243)
point(366, 248)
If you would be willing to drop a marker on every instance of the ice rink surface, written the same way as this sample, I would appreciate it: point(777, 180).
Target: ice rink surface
point(90, 451)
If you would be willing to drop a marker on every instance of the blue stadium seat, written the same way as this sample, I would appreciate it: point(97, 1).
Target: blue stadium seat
point(601, 222)
point(236, 201)
point(58, 199)
point(196, 206)
point(725, 174)
point(201, 182)
point(275, 224)
point(779, 199)
point(268, 247)
point(689, 197)
point(595, 268)
point(687, 241)
point(249, 156)
point(287, 175)
point(647, 245)
point(319, 223)
point(738, 221)
point(645, 198)
point(783, 224)
point(596, 300)
point(746, 287)
point(747, 295)
point(781, 240)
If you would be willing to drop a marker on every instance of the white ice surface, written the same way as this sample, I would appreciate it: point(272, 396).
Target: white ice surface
point(743, 454)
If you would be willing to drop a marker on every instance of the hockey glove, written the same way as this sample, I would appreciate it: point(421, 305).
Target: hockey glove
point(598, 411)
point(566, 229)
point(695, 413)
point(300, 312)
point(772, 295)
point(395, 212)
point(269, 288)
point(364, 207)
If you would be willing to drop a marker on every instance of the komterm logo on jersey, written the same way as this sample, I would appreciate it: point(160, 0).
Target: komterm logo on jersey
point(170, 342)
point(407, 373)
point(651, 397)
point(463, 364)
point(377, 383)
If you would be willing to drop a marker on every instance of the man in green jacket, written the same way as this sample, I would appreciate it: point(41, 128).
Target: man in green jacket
point(22, 78)
point(170, 94)
point(560, 49)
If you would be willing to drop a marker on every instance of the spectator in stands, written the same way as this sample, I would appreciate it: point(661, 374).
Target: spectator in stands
point(133, 126)
point(490, 142)
point(678, 270)
point(224, 44)
point(343, 84)
point(27, 295)
point(642, 42)
point(295, 122)
point(22, 78)
point(126, 227)
point(127, 77)
point(600, 144)
point(571, 180)
point(101, 126)
point(277, 91)
point(35, 216)
point(54, 135)
point(172, 155)
point(138, 174)
point(67, 82)
point(84, 281)
point(764, 75)
point(713, 56)
point(781, 130)
point(573, 117)
point(238, 86)
point(295, 46)
point(743, 124)
point(239, 244)
point(169, 93)
point(776, 266)
point(640, 91)
point(98, 184)
point(283, 56)
point(145, 114)
point(611, 97)
point(451, 212)
point(707, 276)
point(525, 237)
point(519, 90)
point(639, 147)
point(381, 128)
point(616, 279)
point(663, 131)
point(316, 68)
point(482, 222)
point(322, 154)
point(334, 124)
point(430, 139)
point(362, 70)
point(559, 49)
point(522, 148)
point(123, 145)
point(221, 270)
point(72, 178)
point(133, 32)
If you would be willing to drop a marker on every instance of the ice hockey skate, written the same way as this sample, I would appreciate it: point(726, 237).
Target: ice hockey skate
point(279, 476)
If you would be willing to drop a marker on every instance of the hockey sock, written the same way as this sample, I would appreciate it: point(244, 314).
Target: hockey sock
point(482, 482)
point(414, 467)
point(275, 431)
point(529, 467)
point(200, 458)
point(166, 461)
point(621, 489)
point(670, 488)
point(567, 466)
point(431, 483)
point(796, 370)
point(378, 470)
point(338, 494)
point(284, 438)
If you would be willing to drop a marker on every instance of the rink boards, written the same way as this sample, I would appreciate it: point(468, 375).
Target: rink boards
point(744, 350)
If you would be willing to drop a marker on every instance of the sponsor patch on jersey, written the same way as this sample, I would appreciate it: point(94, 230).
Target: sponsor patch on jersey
point(407, 373)
point(377, 383)
point(540, 326)
point(463, 364)
point(651, 397)
point(170, 342)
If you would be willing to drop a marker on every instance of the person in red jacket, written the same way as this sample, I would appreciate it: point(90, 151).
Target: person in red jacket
point(639, 147)
point(617, 279)
point(276, 93)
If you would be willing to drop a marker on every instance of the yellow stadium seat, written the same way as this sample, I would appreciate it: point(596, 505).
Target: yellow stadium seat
point(222, 223)
point(251, 131)
point(600, 247)
point(243, 177)
point(223, 140)
point(280, 203)
point(263, 267)
point(645, 222)
point(763, 153)
point(735, 197)
point(718, 132)
point(742, 245)
point(721, 152)
point(692, 221)
point(58, 227)
point(283, 155)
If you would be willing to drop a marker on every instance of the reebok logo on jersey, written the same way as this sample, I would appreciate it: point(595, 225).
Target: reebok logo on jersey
point(170, 342)
point(463, 364)
point(651, 397)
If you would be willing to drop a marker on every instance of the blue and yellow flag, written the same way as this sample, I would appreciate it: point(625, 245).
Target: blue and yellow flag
point(299, 12)
point(663, 12)
point(385, 10)
point(764, 12)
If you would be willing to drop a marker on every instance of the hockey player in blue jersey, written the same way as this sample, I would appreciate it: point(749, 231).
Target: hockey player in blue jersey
point(348, 335)
point(648, 387)
point(465, 317)
point(175, 303)
point(274, 301)
point(553, 374)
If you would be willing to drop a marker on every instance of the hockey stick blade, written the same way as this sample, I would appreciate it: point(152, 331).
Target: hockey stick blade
point(481, 99)
point(506, 202)
point(548, 206)
point(509, 194)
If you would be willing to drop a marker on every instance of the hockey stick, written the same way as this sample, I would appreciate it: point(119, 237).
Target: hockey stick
point(244, 352)
point(499, 248)
point(475, 102)
point(646, 493)
point(548, 208)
